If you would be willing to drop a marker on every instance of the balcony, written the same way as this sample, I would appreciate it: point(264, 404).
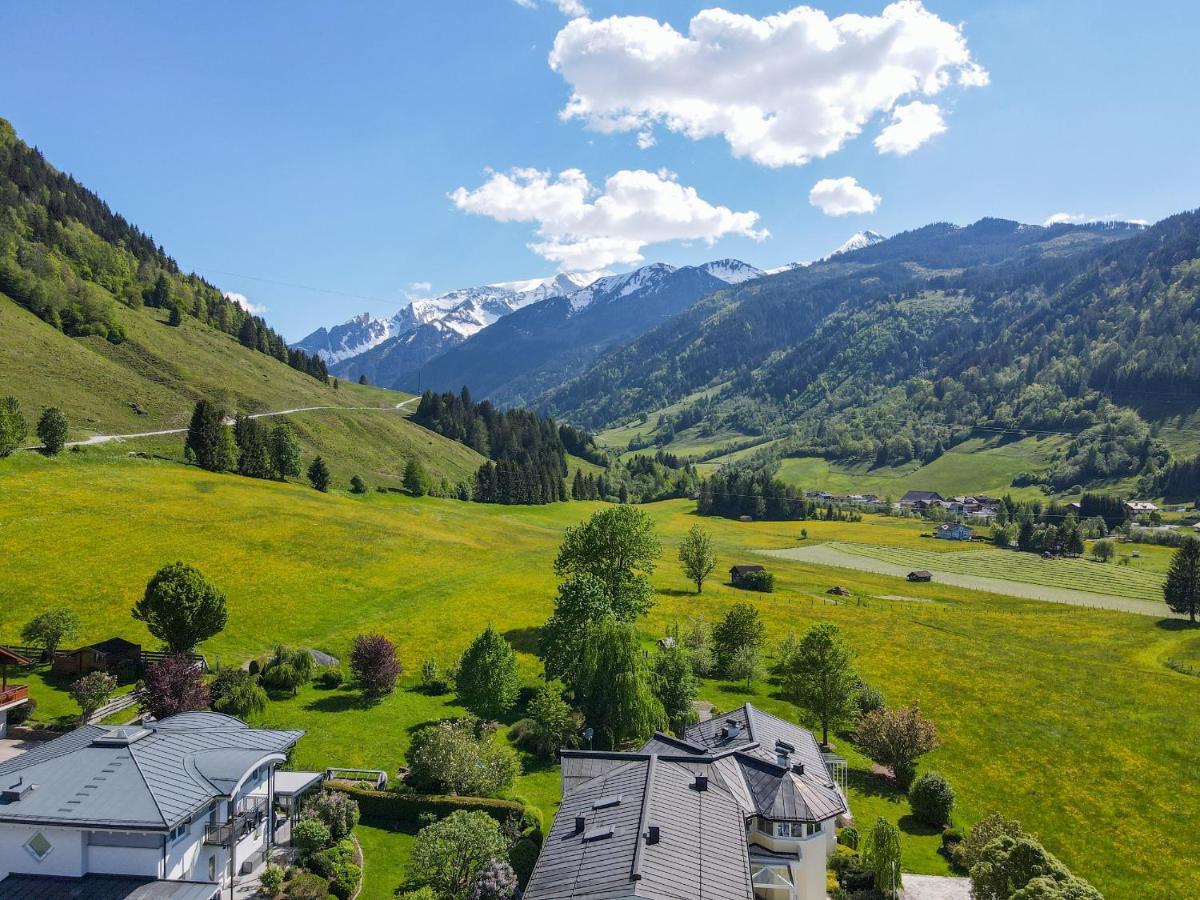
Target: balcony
point(251, 812)
point(13, 694)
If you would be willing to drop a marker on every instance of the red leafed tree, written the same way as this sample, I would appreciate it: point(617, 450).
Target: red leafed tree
point(374, 663)
point(173, 685)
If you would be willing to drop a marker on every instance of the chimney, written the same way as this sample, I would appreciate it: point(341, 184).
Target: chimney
point(798, 768)
point(580, 824)
point(702, 782)
point(652, 835)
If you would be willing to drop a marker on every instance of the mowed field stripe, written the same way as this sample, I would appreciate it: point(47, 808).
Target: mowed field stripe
point(845, 556)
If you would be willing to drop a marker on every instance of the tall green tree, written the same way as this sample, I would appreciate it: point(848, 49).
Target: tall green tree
point(450, 854)
point(52, 430)
point(208, 443)
point(742, 627)
point(882, 850)
point(818, 676)
point(696, 556)
point(487, 681)
point(254, 457)
point(318, 474)
point(48, 629)
point(181, 608)
point(675, 686)
point(12, 426)
point(1182, 587)
point(236, 692)
point(617, 699)
point(619, 547)
point(416, 482)
point(285, 451)
point(582, 602)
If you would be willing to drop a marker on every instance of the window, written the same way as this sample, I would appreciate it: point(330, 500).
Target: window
point(39, 846)
point(177, 833)
point(212, 868)
point(797, 829)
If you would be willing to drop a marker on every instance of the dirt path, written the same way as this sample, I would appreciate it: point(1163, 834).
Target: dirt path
point(824, 555)
point(105, 438)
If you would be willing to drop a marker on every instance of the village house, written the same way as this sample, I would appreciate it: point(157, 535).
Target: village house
point(1140, 507)
point(113, 655)
point(954, 531)
point(175, 809)
point(743, 806)
point(920, 500)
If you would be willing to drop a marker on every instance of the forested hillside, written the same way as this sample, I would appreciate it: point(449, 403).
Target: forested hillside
point(904, 349)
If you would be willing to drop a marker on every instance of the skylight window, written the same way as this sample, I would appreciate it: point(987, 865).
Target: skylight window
point(39, 846)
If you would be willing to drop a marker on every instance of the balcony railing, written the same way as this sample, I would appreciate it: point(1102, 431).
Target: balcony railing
point(251, 811)
point(13, 693)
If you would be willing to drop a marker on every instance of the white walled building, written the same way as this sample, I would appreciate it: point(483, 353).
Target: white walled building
point(172, 809)
point(744, 806)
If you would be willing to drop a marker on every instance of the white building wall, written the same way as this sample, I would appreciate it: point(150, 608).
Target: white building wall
point(124, 860)
point(66, 858)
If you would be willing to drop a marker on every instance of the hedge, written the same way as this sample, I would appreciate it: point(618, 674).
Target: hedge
point(391, 806)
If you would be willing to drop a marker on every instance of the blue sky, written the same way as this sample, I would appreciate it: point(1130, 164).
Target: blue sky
point(318, 144)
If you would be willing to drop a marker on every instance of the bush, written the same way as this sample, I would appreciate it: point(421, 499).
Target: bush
point(523, 856)
point(345, 880)
point(461, 757)
point(308, 886)
point(337, 811)
point(271, 879)
point(287, 670)
point(951, 837)
point(357, 485)
point(868, 699)
point(374, 663)
point(764, 582)
point(19, 715)
point(843, 859)
point(311, 836)
point(848, 837)
point(331, 678)
point(969, 851)
point(931, 799)
point(433, 679)
point(410, 808)
point(236, 692)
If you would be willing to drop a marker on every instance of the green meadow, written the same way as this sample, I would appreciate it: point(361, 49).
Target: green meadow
point(1064, 718)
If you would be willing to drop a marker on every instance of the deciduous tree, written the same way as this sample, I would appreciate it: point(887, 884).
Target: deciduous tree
point(171, 686)
point(817, 675)
point(50, 628)
point(461, 757)
point(675, 686)
point(582, 602)
point(52, 430)
point(181, 608)
point(486, 681)
point(696, 556)
point(897, 738)
point(91, 692)
point(12, 426)
point(882, 849)
point(236, 692)
point(619, 547)
point(374, 662)
point(614, 690)
point(740, 628)
point(449, 855)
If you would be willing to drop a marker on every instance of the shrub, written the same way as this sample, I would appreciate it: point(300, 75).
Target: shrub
point(337, 811)
point(411, 808)
point(308, 886)
point(271, 879)
point(460, 757)
point(287, 670)
point(486, 679)
point(897, 738)
point(868, 699)
point(236, 692)
point(931, 799)
point(311, 836)
point(19, 715)
point(843, 859)
point(968, 851)
point(552, 725)
point(433, 679)
point(357, 485)
point(331, 678)
point(421, 893)
point(848, 837)
point(764, 582)
point(345, 880)
point(374, 663)
point(523, 856)
point(173, 685)
point(950, 838)
point(497, 881)
point(450, 855)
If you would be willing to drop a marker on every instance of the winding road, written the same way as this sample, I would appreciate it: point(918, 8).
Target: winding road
point(105, 438)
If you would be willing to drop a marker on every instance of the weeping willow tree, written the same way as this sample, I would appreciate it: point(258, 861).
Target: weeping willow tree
point(615, 689)
point(883, 856)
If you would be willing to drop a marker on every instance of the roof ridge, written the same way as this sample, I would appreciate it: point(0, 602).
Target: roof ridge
point(146, 782)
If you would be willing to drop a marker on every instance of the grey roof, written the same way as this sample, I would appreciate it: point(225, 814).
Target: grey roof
point(700, 855)
point(146, 779)
point(102, 887)
point(927, 496)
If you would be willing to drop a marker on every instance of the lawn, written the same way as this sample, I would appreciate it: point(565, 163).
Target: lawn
point(1064, 718)
point(385, 854)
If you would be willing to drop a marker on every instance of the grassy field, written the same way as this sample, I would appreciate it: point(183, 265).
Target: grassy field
point(1054, 715)
point(1073, 574)
point(977, 466)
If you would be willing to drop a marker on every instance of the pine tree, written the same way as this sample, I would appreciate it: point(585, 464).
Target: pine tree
point(1182, 587)
point(318, 474)
point(52, 430)
point(175, 319)
point(284, 451)
point(254, 458)
point(248, 334)
point(208, 444)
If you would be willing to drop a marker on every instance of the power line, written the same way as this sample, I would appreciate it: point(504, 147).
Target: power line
point(305, 287)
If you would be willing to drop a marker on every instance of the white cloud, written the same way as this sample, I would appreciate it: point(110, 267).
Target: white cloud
point(254, 309)
point(842, 196)
point(646, 139)
point(912, 125)
point(420, 287)
point(1066, 218)
point(581, 226)
point(782, 90)
point(571, 8)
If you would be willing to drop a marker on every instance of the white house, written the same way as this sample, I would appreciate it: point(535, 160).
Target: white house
point(171, 809)
point(11, 695)
point(744, 806)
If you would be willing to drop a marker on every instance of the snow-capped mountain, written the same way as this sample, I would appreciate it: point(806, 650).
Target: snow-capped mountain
point(856, 241)
point(455, 316)
point(732, 271)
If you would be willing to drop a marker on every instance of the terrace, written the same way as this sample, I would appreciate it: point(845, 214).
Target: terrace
point(249, 815)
